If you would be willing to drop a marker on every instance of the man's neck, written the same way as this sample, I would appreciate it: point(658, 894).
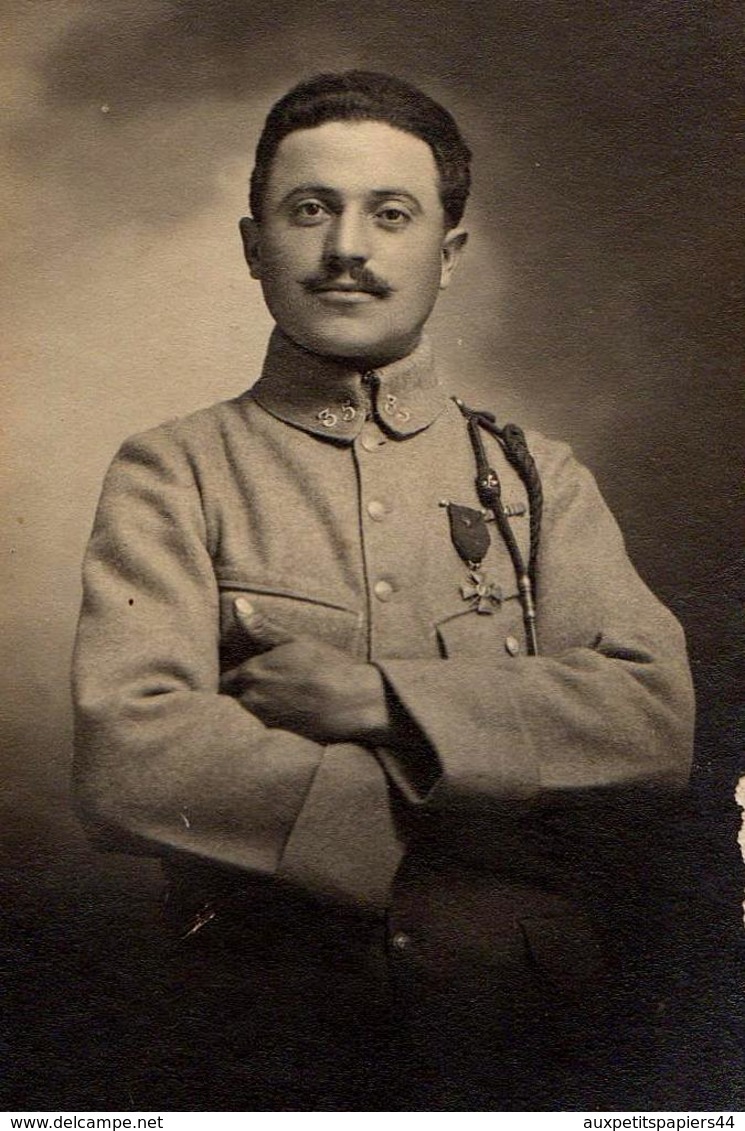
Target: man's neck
point(360, 363)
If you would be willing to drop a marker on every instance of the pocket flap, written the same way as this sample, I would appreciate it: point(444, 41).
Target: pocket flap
point(470, 633)
point(299, 612)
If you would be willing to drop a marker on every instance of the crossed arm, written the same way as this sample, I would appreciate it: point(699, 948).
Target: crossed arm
point(309, 687)
point(289, 770)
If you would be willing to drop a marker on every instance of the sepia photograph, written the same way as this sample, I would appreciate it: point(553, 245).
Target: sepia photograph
point(372, 700)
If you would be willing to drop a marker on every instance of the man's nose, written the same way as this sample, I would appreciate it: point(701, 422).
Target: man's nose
point(348, 239)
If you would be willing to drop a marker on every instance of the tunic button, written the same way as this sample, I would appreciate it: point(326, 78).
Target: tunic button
point(401, 942)
point(383, 590)
point(376, 510)
point(512, 644)
point(372, 439)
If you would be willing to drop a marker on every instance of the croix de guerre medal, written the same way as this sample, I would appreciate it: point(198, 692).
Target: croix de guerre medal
point(470, 536)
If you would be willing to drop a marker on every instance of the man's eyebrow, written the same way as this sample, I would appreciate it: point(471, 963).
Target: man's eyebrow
point(305, 189)
point(399, 194)
point(323, 192)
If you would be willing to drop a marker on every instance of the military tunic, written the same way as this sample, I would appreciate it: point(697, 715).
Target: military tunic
point(319, 495)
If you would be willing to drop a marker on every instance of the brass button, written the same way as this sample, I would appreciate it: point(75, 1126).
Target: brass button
point(372, 438)
point(376, 510)
point(401, 941)
point(383, 590)
point(512, 644)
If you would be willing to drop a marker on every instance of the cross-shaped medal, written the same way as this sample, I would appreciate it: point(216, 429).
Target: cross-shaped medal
point(471, 539)
point(483, 593)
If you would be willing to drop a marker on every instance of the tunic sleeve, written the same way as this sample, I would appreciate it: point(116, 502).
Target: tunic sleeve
point(164, 763)
point(607, 705)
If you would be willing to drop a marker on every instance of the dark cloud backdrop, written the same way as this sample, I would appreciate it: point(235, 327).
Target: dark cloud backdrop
point(601, 301)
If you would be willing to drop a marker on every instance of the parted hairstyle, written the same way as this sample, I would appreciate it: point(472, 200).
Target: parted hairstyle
point(368, 96)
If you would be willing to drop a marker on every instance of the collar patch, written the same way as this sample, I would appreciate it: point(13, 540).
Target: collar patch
point(332, 399)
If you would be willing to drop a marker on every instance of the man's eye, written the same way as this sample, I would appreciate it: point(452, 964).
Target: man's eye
point(309, 212)
point(393, 216)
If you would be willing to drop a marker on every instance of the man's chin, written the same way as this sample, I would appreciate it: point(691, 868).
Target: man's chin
point(363, 351)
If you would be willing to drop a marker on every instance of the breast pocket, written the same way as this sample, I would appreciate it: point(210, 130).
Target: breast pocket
point(299, 610)
point(496, 633)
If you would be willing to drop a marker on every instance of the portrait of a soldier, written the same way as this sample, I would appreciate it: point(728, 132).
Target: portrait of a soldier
point(370, 670)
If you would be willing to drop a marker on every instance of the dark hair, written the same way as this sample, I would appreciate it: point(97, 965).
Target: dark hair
point(360, 96)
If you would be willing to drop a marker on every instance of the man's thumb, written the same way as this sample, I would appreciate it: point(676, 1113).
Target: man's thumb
point(257, 627)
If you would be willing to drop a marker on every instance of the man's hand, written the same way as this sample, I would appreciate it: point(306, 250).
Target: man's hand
point(302, 685)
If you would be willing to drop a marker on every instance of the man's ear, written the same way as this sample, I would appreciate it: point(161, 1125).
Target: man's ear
point(250, 234)
point(452, 247)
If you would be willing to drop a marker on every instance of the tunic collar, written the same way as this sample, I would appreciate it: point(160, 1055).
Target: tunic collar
point(332, 399)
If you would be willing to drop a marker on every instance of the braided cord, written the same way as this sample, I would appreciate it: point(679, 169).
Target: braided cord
point(512, 441)
point(519, 456)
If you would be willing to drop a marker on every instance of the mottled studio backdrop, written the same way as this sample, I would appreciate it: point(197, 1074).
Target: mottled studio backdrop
point(598, 302)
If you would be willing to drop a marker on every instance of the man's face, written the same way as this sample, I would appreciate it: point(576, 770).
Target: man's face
point(352, 248)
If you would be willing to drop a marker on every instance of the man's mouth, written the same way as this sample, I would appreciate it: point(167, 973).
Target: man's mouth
point(351, 289)
point(345, 296)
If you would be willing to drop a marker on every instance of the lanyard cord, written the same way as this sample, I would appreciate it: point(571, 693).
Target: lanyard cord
point(489, 490)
